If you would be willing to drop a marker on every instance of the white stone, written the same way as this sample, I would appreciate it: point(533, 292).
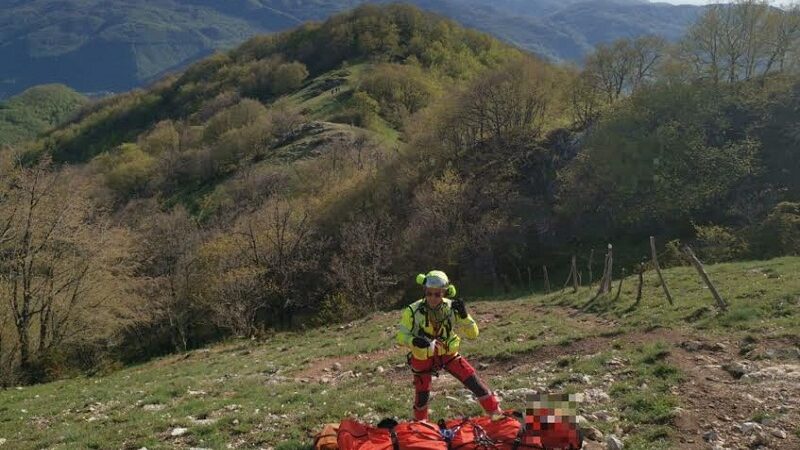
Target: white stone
point(153, 407)
point(750, 427)
point(178, 432)
point(3, 441)
point(779, 433)
point(614, 443)
point(596, 396)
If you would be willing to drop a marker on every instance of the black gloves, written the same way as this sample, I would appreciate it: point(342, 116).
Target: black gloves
point(421, 342)
point(460, 308)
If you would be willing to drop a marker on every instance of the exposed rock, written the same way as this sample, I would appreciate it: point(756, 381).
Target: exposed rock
point(337, 366)
point(711, 436)
point(593, 434)
point(153, 407)
point(580, 378)
point(483, 366)
point(595, 395)
point(380, 369)
point(615, 362)
point(749, 428)
point(778, 433)
point(178, 432)
point(759, 438)
point(692, 346)
point(780, 372)
point(195, 393)
point(605, 416)
point(517, 394)
point(736, 369)
point(4, 440)
point(614, 443)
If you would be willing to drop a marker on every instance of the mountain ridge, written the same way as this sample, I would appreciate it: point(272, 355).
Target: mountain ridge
point(122, 45)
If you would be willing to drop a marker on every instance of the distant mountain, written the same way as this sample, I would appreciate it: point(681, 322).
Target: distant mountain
point(36, 110)
point(115, 45)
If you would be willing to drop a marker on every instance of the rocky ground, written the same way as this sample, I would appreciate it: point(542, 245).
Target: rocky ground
point(734, 395)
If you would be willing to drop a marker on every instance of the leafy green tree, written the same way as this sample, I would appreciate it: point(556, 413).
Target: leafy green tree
point(400, 90)
point(242, 114)
point(127, 170)
point(668, 153)
point(288, 77)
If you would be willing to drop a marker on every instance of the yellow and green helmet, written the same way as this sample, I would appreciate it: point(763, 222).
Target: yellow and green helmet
point(437, 279)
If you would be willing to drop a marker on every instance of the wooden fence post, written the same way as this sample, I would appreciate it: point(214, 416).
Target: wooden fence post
point(658, 269)
point(641, 283)
point(699, 266)
point(609, 269)
point(574, 274)
point(619, 289)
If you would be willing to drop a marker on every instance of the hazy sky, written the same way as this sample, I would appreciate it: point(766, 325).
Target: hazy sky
point(705, 2)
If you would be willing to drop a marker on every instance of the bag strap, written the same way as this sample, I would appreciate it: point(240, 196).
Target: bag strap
point(395, 441)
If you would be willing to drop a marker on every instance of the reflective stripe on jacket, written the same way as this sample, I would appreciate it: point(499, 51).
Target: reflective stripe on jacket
point(415, 322)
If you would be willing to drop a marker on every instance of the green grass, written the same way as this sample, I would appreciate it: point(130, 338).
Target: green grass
point(761, 295)
point(258, 394)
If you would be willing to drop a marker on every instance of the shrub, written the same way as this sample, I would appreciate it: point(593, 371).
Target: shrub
point(718, 244)
point(127, 170)
point(779, 234)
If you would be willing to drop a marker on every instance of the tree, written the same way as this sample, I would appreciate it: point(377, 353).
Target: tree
point(50, 268)
point(742, 41)
point(611, 66)
point(363, 268)
point(505, 105)
point(165, 253)
point(288, 77)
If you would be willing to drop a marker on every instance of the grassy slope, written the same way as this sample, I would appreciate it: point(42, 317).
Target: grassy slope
point(317, 102)
point(275, 393)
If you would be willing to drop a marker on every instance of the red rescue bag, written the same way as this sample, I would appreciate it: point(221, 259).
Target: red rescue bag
point(404, 436)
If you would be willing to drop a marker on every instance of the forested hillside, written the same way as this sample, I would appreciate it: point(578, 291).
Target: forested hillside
point(117, 45)
point(307, 176)
point(37, 110)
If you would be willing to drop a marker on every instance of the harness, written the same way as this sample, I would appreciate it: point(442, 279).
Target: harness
point(444, 329)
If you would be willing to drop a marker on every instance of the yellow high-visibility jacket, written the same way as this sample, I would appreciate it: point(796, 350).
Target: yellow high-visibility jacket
point(416, 321)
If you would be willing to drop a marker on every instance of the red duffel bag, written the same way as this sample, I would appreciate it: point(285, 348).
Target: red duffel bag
point(507, 433)
point(403, 436)
point(484, 433)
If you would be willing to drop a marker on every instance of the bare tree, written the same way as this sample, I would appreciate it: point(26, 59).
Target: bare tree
point(48, 258)
point(611, 66)
point(165, 252)
point(363, 267)
point(505, 104)
point(701, 48)
point(742, 40)
point(646, 53)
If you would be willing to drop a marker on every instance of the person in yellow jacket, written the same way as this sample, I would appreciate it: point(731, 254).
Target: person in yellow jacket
point(431, 327)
